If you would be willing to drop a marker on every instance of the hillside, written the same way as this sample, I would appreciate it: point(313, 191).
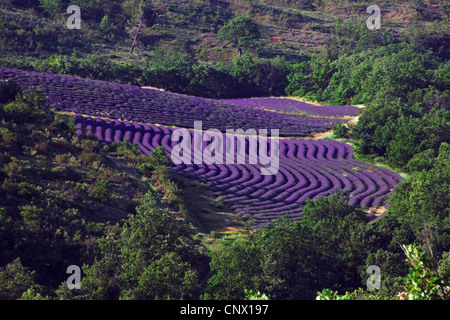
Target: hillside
point(60, 194)
point(126, 102)
point(178, 48)
point(102, 172)
point(290, 29)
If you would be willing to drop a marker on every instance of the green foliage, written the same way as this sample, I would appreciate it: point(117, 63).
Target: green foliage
point(241, 32)
point(341, 130)
point(310, 78)
point(15, 280)
point(368, 76)
point(234, 272)
point(211, 82)
point(92, 67)
point(49, 215)
point(166, 278)
point(51, 211)
point(27, 108)
point(106, 25)
point(422, 205)
point(159, 157)
point(294, 260)
point(101, 191)
point(51, 7)
point(444, 6)
point(424, 199)
point(151, 257)
point(422, 282)
point(125, 149)
point(407, 104)
point(424, 134)
point(420, 8)
point(31, 294)
point(298, 85)
point(33, 217)
point(327, 294)
point(250, 295)
point(7, 137)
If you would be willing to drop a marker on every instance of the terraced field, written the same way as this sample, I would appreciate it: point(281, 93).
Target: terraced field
point(307, 169)
point(288, 105)
point(127, 102)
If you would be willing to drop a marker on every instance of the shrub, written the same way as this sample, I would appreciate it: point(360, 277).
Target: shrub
point(62, 158)
point(89, 145)
point(125, 149)
point(146, 169)
point(172, 192)
point(87, 158)
point(15, 280)
point(28, 107)
point(101, 190)
point(59, 170)
point(39, 148)
point(8, 91)
point(13, 168)
point(341, 131)
point(8, 137)
point(32, 217)
point(159, 158)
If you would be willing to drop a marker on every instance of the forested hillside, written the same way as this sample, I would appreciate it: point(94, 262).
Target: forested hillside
point(182, 45)
point(141, 230)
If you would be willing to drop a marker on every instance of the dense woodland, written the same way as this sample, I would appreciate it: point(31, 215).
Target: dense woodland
point(67, 200)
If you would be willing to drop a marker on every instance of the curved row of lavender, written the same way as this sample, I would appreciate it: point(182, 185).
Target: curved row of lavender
point(295, 106)
point(308, 169)
point(128, 102)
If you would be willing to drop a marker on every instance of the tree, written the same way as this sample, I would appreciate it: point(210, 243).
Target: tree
point(28, 107)
point(241, 32)
point(295, 259)
point(151, 257)
point(234, 272)
point(142, 13)
point(171, 72)
point(211, 82)
point(107, 25)
point(166, 278)
point(423, 202)
point(15, 280)
point(423, 281)
point(52, 7)
point(159, 157)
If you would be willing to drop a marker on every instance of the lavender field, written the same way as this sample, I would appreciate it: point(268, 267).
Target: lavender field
point(127, 102)
point(295, 106)
point(308, 169)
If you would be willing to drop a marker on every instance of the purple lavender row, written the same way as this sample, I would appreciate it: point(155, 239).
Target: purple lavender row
point(132, 103)
point(308, 169)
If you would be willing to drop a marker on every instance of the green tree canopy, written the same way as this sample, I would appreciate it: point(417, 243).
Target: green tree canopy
point(151, 257)
point(241, 32)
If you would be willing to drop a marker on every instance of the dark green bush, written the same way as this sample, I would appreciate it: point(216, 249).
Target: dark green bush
point(8, 91)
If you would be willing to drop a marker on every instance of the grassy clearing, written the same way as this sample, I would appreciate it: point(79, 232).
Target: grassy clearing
point(210, 218)
point(379, 162)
